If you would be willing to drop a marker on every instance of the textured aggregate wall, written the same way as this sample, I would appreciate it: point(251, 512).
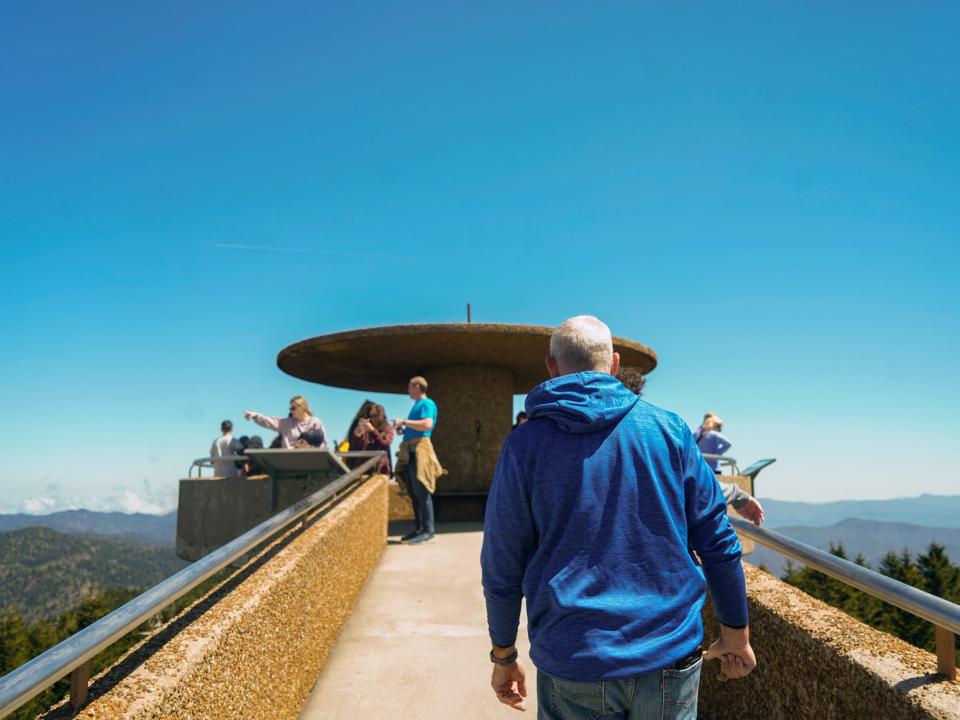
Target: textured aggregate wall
point(745, 483)
point(400, 506)
point(817, 663)
point(465, 396)
point(257, 651)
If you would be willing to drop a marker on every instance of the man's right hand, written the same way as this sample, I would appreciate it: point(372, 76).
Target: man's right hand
point(733, 651)
point(752, 510)
point(509, 682)
point(248, 414)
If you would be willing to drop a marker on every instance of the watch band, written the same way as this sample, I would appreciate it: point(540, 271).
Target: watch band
point(508, 660)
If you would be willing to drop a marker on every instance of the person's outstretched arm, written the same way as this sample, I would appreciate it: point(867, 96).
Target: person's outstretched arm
point(267, 421)
point(733, 493)
point(715, 541)
point(743, 502)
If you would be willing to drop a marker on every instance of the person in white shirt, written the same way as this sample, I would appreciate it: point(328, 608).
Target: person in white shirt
point(224, 446)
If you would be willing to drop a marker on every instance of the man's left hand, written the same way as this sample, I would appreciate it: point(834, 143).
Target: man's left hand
point(509, 682)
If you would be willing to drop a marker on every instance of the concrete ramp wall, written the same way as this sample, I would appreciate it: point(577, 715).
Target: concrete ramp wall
point(818, 663)
point(255, 649)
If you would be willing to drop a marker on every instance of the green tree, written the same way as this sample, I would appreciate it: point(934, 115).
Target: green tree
point(14, 640)
point(864, 605)
point(822, 586)
point(899, 622)
point(931, 572)
point(940, 577)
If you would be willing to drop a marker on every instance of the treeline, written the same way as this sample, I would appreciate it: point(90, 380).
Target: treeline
point(22, 640)
point(44, 573)
point(931, 572)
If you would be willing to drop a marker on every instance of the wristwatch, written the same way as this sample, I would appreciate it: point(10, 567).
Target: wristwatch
point(508, 660)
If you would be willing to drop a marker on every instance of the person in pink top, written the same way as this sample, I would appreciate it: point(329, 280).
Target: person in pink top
point(301, 422)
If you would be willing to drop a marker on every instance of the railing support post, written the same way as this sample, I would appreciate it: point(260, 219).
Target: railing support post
point(79, 686)
point(946, 653)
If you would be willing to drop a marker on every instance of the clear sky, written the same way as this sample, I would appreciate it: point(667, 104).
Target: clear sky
point(768, 194)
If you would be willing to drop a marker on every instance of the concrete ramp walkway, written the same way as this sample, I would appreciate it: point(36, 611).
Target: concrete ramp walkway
point(416, 644)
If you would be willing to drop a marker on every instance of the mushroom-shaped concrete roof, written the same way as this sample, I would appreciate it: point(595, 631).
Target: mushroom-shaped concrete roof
point(382, 359)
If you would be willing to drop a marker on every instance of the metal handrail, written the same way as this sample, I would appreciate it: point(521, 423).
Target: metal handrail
point(35, 676)
point(203, 462)
point(723, 460)
point(942, 613)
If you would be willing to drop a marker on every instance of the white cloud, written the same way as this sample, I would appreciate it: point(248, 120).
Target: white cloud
point(131, 502)
point(41, 505)
point(124, 499)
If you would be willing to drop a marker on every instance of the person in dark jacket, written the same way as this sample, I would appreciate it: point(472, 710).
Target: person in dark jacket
point(597, 505)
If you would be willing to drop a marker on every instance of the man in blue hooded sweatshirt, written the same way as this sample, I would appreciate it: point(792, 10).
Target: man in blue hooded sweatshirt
point(597, 505)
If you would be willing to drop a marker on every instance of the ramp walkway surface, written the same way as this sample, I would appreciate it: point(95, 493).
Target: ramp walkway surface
point(416, 644)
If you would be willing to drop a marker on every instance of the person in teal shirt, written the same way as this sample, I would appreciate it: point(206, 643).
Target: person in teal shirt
point(424, 410)
point(419, 424)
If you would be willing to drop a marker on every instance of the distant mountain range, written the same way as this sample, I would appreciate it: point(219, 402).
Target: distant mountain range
point(137, 528)
point(65, 555)
point(872, 538)
point(44, 573)
point(938, 511)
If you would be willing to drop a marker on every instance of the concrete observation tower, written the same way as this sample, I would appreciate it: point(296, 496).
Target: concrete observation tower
point(474, 369)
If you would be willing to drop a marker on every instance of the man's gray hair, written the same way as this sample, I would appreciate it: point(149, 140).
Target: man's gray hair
point(582, 343)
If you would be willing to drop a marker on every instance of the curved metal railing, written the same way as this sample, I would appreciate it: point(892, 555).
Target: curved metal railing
point(944, 614)
point(207, 462)
point(724, 460)
point(73, 654)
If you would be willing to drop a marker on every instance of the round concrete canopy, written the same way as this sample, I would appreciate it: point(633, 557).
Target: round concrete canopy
point(383, 359)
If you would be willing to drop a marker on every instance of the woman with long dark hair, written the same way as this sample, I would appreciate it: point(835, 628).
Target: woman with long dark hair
point(372, 431)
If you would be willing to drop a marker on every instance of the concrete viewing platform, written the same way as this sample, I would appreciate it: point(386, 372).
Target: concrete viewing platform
point(416, 643)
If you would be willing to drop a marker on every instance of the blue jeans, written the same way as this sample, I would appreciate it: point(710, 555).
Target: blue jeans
point(657, 695)
point(420, 497)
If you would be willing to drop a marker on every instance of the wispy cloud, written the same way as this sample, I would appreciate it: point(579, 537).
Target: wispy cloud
point(308, 251)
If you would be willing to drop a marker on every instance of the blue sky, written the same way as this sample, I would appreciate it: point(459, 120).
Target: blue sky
point(765, 193)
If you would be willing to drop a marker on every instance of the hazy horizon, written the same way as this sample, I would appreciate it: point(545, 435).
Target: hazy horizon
point(111, 505)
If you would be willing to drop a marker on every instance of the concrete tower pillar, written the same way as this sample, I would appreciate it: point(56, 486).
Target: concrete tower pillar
point(475, 415)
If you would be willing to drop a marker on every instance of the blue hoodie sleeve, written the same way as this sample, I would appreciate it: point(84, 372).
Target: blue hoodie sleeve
point(712, 536)
point(509, 539)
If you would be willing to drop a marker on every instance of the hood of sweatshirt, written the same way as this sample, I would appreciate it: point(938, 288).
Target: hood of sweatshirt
point(581, 402)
